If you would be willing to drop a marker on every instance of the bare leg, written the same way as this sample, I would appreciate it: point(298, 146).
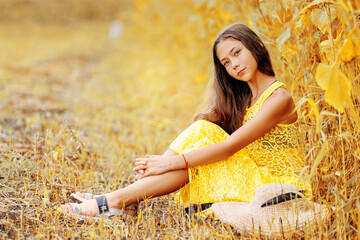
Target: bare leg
point(169, 152)
point(148, 187)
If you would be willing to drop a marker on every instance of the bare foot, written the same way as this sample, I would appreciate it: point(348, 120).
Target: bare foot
point(81, 196)
point(87, 208)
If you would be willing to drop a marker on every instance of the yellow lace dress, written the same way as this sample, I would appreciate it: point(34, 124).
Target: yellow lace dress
point(277, 157)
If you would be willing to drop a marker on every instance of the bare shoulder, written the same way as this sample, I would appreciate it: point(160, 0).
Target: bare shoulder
point(281, 93)
point(281, 96)
point(281, 104)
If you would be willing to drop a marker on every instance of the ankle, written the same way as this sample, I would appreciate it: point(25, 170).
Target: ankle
point(116, 201)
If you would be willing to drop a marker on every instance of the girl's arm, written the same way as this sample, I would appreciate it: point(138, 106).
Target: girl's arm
point(275, 109)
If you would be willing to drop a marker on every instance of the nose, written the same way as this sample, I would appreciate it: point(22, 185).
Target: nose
point(235, 65)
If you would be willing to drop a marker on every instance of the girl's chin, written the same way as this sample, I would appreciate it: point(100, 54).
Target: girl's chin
point(242, 79)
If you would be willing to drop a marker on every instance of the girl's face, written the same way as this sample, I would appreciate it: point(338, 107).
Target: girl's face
point(237, 59)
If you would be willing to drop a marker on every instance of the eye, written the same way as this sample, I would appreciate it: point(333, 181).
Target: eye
point(226, 63)
point(237, 53)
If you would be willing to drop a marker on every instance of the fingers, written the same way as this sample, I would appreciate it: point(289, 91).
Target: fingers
point(139, 161)
point(146, 158)
point(146, 174)
point(140, 169)
point(139, 172)
point(142, 166)
point(143, 174)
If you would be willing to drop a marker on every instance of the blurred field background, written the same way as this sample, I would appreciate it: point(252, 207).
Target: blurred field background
point(79, 104)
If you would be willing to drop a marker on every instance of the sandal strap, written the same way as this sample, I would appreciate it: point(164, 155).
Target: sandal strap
point(110, 213)
point(115, 212)
point(88, 196)
point(102, 204)
point(75, 208)
point(104, 208)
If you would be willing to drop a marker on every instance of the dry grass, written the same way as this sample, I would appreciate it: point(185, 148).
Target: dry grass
point(78, 108)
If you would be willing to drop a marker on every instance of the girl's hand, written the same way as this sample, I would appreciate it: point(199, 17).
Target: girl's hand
point(151, 165)
point(141, 171)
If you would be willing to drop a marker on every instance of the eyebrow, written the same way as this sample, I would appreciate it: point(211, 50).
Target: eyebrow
point(229, 52)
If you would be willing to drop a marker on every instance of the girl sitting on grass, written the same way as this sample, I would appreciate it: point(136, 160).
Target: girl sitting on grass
point(248, 138)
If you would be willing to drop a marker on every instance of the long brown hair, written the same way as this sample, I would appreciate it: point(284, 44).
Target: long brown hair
point(229, 97)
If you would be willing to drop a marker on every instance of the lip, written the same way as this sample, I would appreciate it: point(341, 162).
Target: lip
point(241, 71)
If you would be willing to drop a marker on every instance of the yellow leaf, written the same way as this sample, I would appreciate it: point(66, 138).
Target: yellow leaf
point(316, 113)
point(301, 22)
point(336, 85)
point(318, 17)
point(292, 49)
point(323, 153)
point(325, 50)
point(351, 47)
point(283, 37)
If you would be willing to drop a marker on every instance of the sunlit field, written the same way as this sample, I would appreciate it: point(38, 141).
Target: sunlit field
point(80, 100)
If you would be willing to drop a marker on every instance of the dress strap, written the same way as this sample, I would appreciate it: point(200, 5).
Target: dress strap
point(270, 90)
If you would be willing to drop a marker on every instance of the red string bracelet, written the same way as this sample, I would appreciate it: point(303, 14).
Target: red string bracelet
point(186, 162)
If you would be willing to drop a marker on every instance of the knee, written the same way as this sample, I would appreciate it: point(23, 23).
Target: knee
point(202, 124)
point(207, 127)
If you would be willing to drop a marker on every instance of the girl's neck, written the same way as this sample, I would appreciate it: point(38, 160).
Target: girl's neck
point(259, 84)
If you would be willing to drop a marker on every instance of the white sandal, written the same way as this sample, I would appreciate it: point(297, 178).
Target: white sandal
point(130, 210)
point(104, 210)
point(87, 196)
